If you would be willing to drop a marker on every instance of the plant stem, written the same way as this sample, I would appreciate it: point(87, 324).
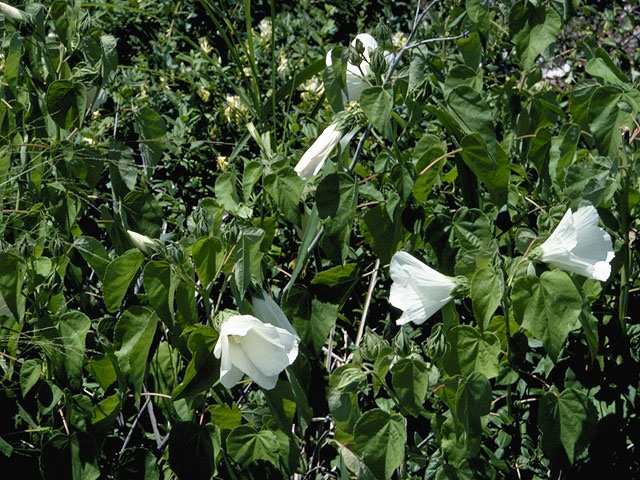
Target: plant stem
point(624, 225)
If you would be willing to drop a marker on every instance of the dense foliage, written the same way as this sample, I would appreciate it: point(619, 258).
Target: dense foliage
point(150, 195)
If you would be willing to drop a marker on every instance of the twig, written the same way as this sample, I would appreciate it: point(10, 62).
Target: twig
point(367, 302)
point(152, 416)
point(133, 426)
point(330, 348)
point(439, 39)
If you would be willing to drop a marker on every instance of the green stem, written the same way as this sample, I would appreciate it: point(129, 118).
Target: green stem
point(507, 329)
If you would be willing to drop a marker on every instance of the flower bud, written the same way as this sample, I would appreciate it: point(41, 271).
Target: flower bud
point(402, 343)
point(437, 345)
point(371, 345)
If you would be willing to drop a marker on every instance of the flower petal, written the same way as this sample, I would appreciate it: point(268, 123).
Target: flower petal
point(313, 159)
point(579, 245)
point(418, 290)
point(269, 312)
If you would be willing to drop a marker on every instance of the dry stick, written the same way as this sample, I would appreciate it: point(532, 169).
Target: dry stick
point(133, 426)
point(152, 417)
point(367, 302)
point(330, 348)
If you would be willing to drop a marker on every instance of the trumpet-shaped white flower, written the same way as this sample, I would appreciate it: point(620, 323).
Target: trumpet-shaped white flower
point(418, 290)
point(579, 245)
point(141, 242)
point(269, 312)
point(313, 159)
point(356, 74)
point(12, 12)
point(261, 349)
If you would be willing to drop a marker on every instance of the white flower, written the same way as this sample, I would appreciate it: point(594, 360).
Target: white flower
point(357, 74)
point(261, 349)
point(12, 12)
point(313, 159)
point(269, 312)
point(235, 111)
point(141, 242)
point(579, 245)
point(417, 289)
point(398, 40)
point(266, 28)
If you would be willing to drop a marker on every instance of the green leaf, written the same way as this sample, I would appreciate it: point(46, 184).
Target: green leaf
point(611, 109)
point(160, 285)
point(494, 173)
point(336, 276)
point(247, 257)
point(383, 234)
point(66, 103)
point(472, 114)
point(102, 370)
point(73, 328)
point(285, 187)
point(30, 372)
point(548, 307)
point(579, 101)
point(208, 256)
point(603, 67)
point(473, 401)
point(472, 228)
point(225, 417)
point(250, 176)
point(203, 370)
point(380, 438)
point(353, 462)
point(376, 103)
point(410, 379)
point(118, 276)
point(246, 445)
point(133, 337)
point(336, 200)
point(144, 214)
point(12, 62)
point(425, 156)
point(152, 129)
point(12, 275)
point(533, 29)
point(191, 450)
point(463, 75)
point(106, 411)
point(487, 287)
point(5, 448)
point(93, 253)
point(226, 193)
point(472, 351)
point(563, 150)
point(567, 422)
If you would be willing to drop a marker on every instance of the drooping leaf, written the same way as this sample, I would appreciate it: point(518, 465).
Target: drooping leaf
point(66, 103)
point(208, 255)
point(532, 29)
point(133, 337)
point(73, 327)
point(472, 351)
point(380, 438)
point(118, 276)
point(376, 104)
point(548, 307)
point(246, 445)
point(191, 450)
point(567, 421)
point(487, 287)
point(410, 379)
